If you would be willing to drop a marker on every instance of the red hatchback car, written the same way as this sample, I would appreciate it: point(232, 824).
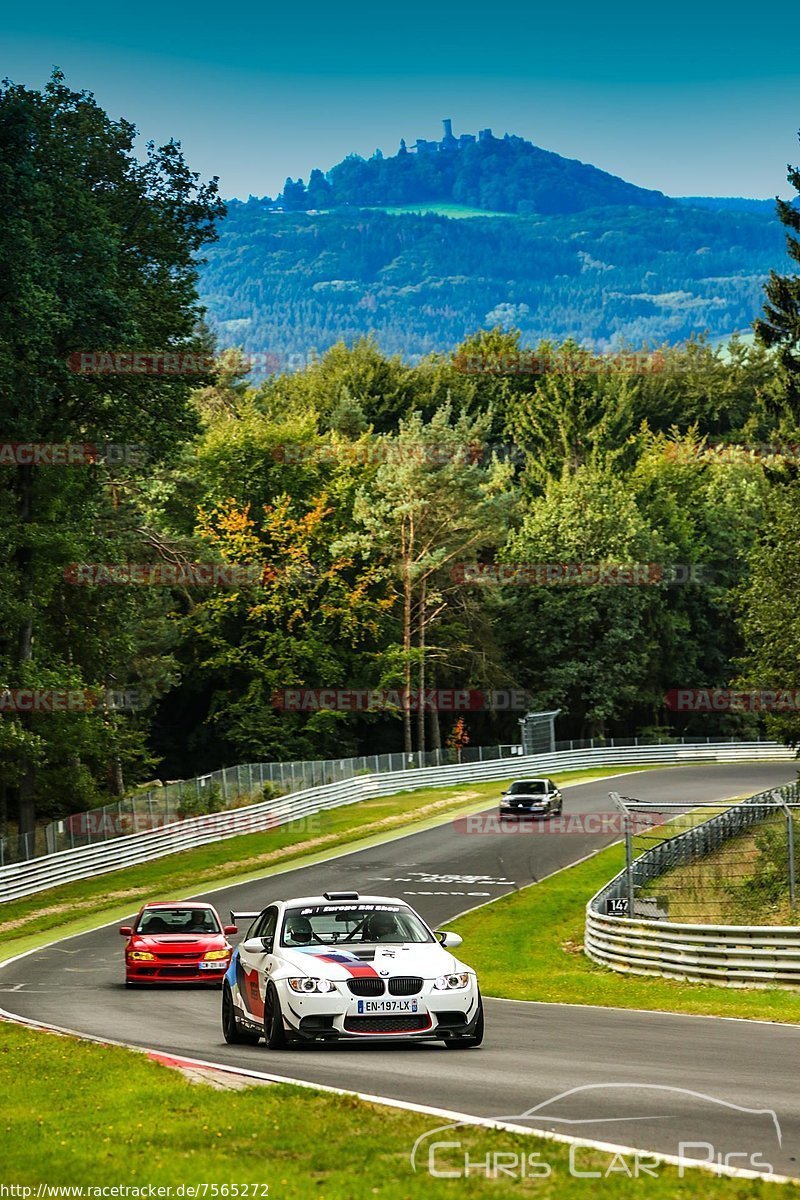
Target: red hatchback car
point(177, 943)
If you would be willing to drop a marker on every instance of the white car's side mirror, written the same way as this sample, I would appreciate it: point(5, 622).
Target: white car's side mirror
point(257, 945)
point(449, 940)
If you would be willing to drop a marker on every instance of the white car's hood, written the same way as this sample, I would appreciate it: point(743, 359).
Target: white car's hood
point(340, 962)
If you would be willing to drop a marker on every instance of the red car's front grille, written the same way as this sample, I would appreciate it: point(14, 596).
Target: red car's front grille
point(169, 970)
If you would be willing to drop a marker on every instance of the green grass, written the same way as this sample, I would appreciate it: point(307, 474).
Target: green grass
point(75, 907)
point(73, 1113)
point(442, 209)
point(529, 946)
point(744, 882)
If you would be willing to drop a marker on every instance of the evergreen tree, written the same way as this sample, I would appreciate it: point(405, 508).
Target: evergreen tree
point(780, 326)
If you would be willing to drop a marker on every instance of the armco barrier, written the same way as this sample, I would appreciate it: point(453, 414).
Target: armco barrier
point(66, 866)
point(730, 955)
point(155, 807)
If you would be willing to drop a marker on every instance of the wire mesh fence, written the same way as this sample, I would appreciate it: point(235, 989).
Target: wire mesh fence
point(247, 783)
point(218, 791)
point(729, 864)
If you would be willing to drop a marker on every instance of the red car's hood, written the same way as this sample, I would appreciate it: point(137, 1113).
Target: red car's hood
point(181, 944)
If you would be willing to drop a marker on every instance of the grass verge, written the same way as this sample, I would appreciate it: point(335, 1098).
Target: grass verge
point(529, 946)
point(76, 1114)
point(75, 907)
point(744, 882)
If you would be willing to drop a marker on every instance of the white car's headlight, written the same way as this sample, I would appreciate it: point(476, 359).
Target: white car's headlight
point(450, 983)
point(309, 984)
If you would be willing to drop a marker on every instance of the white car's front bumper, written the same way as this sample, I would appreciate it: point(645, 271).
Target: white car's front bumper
point(341, 1014)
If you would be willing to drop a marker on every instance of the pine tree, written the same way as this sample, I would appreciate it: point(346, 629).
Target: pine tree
point(780, 326)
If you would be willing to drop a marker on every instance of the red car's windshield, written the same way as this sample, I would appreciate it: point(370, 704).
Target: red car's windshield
point(181, 921)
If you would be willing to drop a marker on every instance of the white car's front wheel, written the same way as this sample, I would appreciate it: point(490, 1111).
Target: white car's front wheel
point(467, 1040)
point(275, 1035)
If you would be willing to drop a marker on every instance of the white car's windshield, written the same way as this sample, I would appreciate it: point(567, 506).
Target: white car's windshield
point(352, 924)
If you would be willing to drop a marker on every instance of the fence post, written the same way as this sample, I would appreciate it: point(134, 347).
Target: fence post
point(629, 882)
point(790, 849)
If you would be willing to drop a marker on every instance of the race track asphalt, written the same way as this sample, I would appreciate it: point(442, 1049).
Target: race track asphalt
point(649, 1080)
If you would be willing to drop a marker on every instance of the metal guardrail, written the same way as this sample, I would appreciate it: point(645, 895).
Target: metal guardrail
point(156, 807)
point(66, 866)
point(731, 955)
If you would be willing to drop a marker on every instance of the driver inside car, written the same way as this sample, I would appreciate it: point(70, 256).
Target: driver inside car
point(298, 931)
point(382, 927)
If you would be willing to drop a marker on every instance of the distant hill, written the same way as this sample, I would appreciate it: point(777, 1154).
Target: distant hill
point(444, 238)
point(507, 174)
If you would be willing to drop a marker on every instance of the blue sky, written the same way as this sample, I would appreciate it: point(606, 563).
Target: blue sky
point(695, 98)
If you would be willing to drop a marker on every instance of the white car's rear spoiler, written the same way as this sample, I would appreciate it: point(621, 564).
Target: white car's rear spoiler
point(236, 917)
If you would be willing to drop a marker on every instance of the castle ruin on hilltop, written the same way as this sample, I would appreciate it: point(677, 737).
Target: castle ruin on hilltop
point(448, 143)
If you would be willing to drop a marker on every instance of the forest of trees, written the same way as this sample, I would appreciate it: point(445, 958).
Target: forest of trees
point(290, 284)
point(349, 504)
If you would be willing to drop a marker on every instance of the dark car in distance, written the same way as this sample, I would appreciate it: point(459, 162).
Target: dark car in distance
point(532, 798)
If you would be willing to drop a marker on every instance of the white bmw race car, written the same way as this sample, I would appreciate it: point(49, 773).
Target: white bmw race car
point(344, 966)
